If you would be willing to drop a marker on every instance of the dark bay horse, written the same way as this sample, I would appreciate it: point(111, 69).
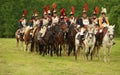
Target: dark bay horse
point(34, 43)
point(45, 41)
point(60, 31)
point(71, 39)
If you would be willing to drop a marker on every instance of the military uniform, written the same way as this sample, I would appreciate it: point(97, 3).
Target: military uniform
point(23, 24)
point(103, 20)
point(55, 18)
point(72, 19)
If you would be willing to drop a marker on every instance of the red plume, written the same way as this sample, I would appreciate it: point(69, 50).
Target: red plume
point(54, 5)
point(73, 9)
point(35, 11)
point(86, 7)
point(46, 9)
point(62, 11)
point(96, 10)
point(25, 12)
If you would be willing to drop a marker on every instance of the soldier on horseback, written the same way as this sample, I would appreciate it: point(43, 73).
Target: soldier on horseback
point(34, 23)
point(84, 21)
point(23, 24)
point(103, 19)
point(44, 23)
point(72, 19)
point(104, 23)
point(55, 18)
point(95, 20)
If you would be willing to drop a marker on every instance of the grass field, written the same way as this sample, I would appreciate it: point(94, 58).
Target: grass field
point(18, 62)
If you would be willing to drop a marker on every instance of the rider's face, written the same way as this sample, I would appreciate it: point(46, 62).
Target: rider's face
point(94, 16)
point(45, 16)
point(71, 16)
point(84, 15)
point(55, 14)
point(103, 15)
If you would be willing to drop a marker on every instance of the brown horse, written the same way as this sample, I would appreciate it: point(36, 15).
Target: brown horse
point(71, 39)
point(34, 44)
point(26, 38)
point(60, 31)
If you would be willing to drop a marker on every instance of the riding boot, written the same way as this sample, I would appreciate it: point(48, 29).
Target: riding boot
point(31, 38)
point(21, 36)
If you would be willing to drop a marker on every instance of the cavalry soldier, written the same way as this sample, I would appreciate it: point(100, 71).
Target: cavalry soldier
point(84, 21)
point(49, 16)
point(44, 23)
point(63, 16)
point(72, 19)
point(94, 19)
point(55, 18)
point(23, 23)
point(103, 20)
point(35, 22)
point(45, 20)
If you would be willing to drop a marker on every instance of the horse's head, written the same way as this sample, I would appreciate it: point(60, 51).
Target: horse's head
point(64, 27)
point(82, 30)
point(91, 31)
point(110, 31)
point(43, 31)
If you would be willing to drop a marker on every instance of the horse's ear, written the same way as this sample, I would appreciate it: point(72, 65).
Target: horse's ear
point(114, 26)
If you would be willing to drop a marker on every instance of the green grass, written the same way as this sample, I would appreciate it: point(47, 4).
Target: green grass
point(18, 62)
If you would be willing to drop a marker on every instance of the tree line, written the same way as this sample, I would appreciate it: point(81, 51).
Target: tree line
point(12, 10)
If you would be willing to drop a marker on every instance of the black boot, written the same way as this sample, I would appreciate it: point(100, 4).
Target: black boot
point(21, 36)
point(31, 38)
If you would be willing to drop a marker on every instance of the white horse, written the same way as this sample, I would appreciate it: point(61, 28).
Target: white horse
point(90, 40)
point(78, 42)
point(107, 42)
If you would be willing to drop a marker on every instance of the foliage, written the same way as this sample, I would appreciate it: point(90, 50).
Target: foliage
point(11, 11)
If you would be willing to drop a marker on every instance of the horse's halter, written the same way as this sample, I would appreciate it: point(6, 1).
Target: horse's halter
point(111, 36)
point(90, 35)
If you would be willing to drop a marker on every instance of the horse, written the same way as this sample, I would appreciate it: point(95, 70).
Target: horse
point(34, 43)
point(60, 31)
point(70, 39)
point(18, 39)
point(107, 42)
point(79, 42)
point(26, 38)
point(90, 41)
point(45, 39)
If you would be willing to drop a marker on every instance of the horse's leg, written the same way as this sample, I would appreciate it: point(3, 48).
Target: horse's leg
point(91, 52)
point(76, 51)
point(104, 52)
point(109, 50)
point(51, 53)
point(44, 50)
point(87, 52)
point(83, 52)
point(17, 39)
point(98, 52)
point(60, 49)
point(69, 49)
